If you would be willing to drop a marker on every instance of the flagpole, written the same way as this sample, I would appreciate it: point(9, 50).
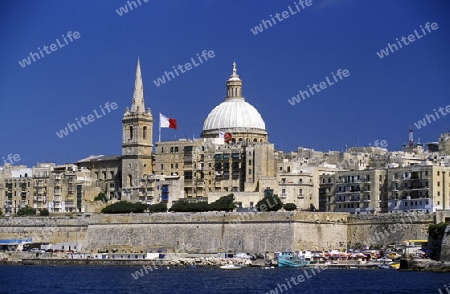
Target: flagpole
point(159, 138)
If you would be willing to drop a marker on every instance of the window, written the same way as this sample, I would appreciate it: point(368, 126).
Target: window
point(162, 149)
point(249, 171)
point(144, 133)
point(176, 165)
point(131, 132)
point(300, 192)
point(162, 166)
point(438, 173)
point(438, 184)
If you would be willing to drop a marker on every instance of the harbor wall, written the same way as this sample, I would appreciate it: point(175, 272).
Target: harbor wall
point(384, 229)
point(217, 231)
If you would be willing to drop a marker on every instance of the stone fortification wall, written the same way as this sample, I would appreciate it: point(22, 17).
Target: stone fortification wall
point(383, 229)
point(44, 229)
point(219, 232)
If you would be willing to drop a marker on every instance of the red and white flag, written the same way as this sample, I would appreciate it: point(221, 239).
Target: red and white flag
point(165, 122)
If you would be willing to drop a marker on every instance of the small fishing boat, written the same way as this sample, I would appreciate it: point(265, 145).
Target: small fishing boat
point(230, 267)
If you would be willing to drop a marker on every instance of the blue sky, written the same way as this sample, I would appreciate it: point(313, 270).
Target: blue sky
point(380, 99)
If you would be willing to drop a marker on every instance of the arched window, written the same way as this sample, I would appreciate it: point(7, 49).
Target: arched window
point(131, 132)
point(144, 133)
point(130, 180)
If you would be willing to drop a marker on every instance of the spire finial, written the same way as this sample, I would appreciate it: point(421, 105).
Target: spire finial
point(138, 95)
point(234, 68)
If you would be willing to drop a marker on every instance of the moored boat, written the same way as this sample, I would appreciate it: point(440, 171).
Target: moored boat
point(288, 259)
point(230, 267)
point(384, 266)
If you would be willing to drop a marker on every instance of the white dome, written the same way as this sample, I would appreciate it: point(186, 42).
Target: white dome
point(234, 113)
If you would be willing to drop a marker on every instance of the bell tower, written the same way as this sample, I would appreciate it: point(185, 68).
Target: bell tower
point(137, 142)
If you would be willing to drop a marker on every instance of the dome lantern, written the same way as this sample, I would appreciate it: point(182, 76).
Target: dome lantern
point(235, 116)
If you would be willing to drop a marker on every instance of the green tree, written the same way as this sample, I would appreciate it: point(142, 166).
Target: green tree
point(159, 207)
point(125, 207)
point(224, 203)
point(44, 212)
point(290, 206)
point(101, 197)
point(270, 202)
point(26, 211)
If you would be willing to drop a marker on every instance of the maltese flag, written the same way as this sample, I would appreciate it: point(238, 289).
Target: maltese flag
point(165, 122)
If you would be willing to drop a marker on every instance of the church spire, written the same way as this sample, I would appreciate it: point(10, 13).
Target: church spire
point(234, 85)
point(138, 105)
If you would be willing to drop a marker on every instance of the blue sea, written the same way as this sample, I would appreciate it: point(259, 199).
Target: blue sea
point(114, 279)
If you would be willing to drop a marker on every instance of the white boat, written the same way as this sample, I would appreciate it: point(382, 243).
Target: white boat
point(384, 266)
point(230, 267)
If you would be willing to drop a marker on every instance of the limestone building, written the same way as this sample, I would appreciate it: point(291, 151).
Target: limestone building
point(393, 189)
point(212, 167)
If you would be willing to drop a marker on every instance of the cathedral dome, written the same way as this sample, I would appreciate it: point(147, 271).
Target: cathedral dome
point(235, 116)
point(234, 113)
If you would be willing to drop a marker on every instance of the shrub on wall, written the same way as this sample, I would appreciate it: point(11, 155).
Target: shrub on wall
point(44, 212)
point(269, 203)
point(26, 211)
point(290, 206)
point(101, 197)
point(224, 203)
point(125, 207)
point(159, 207)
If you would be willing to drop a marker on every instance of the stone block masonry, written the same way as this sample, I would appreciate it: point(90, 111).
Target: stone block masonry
point(270, 231)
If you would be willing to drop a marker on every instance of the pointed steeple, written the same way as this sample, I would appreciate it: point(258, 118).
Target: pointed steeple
point(138, 105)
point(234, 85)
